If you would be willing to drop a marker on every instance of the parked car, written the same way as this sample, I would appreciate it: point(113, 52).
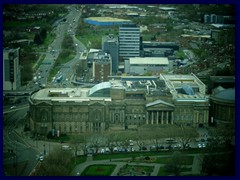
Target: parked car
point(13, 107)
point(41, 158)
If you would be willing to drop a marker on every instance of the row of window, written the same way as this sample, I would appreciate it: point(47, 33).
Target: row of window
point(184, 117)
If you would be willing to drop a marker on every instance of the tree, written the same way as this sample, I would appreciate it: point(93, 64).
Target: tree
point(55, 164)
point(95, 141)
point(176, 164)
point(26, 73)
point(186, 134)
point(76, 144)
point(43, 33)
point(38, 39)
point(219, 164)
point(223, 136)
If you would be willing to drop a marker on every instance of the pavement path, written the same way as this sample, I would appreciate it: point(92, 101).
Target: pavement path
point(196, 166)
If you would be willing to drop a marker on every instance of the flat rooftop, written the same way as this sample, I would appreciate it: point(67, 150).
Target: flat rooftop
point(108, 19)
point(149, 61)
point(185, 87)
point(182, 87)
point(66, 94)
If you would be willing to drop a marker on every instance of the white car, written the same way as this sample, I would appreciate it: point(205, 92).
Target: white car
point(13, 107)
point(131, 142)
point(41, 158)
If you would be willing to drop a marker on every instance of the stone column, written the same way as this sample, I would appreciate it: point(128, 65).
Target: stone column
point(157, 117)
point(167, 118)
point(147, 118)
point(172, 117)
point(152, 117)
point(161, 117)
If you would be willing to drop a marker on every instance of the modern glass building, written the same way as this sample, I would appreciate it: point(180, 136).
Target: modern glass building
point(129, 41)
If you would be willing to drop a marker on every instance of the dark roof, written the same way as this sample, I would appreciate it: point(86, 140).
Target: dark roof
point(226, 94)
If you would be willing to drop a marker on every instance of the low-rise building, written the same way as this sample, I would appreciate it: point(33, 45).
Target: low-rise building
point(121, 103)
point(142, 65)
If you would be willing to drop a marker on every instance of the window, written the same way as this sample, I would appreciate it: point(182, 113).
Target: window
point(177, 117)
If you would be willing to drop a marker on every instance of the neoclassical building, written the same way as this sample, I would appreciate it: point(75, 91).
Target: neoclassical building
point(222, 108)
point(121, 103)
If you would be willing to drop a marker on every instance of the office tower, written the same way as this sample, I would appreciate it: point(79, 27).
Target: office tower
point(11, 69)
point(129, 41)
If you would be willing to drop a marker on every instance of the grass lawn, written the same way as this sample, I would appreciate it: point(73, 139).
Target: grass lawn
point(98, 170)
point(128, 155)
point(187, 160)
point(163, 172)
point(75, 161)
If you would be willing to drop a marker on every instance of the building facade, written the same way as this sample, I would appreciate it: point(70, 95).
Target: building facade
point(142, 65)
point(129, 41)
point(222, 109)
point(110, 45)
point(121, 103)
point(102, 67)
point(11, 69)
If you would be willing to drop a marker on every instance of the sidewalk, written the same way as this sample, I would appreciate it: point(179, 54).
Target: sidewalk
point(196, 166)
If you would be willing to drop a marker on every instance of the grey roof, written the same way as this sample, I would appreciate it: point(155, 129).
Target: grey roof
point(227, 94)
point(188, 89)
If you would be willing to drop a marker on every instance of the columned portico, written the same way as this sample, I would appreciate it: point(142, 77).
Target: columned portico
point(159, 112)
point(158, 117)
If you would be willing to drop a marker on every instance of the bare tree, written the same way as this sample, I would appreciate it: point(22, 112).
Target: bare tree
point(95, 140)
point(176, 164)
point(222, 135)
point(55, 164)
point(186, 135)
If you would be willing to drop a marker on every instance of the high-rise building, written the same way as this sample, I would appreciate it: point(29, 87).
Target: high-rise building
point(110, 45)
point(102, 66)
point(129, 41)
point(11, 69)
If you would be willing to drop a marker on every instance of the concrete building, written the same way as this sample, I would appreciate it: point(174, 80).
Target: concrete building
point(190, 100)
point(222, 108)
point(11, 69)
point(142, 65)
point(102, 66)
point(121, 103)
point(110, 45)
point(159, 49)
point(129, 41)
point(223, 81)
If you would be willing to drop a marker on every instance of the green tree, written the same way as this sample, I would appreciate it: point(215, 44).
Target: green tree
point(38, 39)
point(27, 73)
point(43, 33)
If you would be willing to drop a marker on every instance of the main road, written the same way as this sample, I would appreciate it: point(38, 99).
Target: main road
point(16, 147)
point(63, 27)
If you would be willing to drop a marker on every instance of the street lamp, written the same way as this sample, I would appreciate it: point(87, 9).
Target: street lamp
point(44, 151)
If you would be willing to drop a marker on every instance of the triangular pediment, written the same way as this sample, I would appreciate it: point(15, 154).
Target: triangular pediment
point(44, 103)
point(159, 104)
point(96, 104)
